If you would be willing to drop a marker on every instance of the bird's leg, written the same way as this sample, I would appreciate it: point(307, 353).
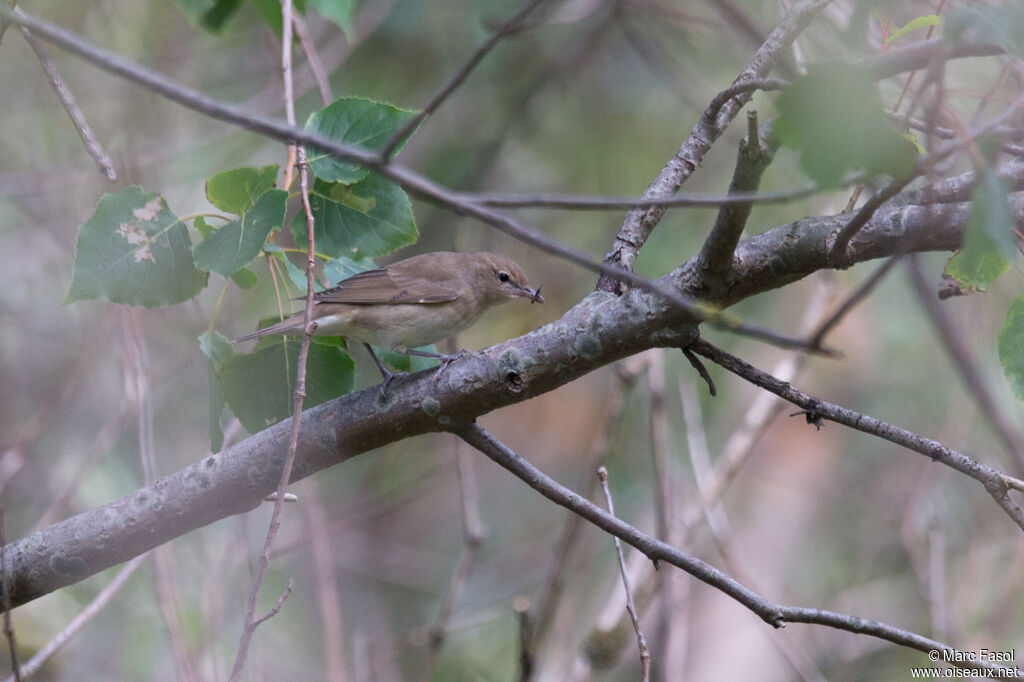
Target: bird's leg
point(445, 359)
point(384, 371)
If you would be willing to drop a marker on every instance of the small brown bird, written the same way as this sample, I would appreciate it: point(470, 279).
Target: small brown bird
point(411, 303)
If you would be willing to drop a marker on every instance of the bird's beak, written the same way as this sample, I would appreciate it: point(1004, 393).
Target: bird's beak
point(532, 294)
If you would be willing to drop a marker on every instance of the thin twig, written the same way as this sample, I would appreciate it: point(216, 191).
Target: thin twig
point(508, 28)
point(545, 608)
point(645, 655)
point(742, 88)
point(81, 620)
point(136, 360)
point(473, 535)
point(774, 614)
point(656, 550)
point(664, 482)
point(956, 348)
point(837, 255)
point(316, 66)
point(299, 394)
point(851, 301)
point(67, 100)
point(585, 202)
point(328, 594)
point(718, 521)
point(734, 455)
point(276, 608)
point(995, 482)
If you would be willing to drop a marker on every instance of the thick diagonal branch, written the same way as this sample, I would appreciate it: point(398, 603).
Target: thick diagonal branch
point(601, 329)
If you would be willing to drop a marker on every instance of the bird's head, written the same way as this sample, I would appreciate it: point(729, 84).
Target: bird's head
point(498, 279)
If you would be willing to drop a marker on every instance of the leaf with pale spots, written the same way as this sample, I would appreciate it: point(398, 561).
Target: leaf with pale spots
point(134, 250)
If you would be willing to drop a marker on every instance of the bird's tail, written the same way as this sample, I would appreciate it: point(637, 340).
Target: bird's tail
point(289, 325)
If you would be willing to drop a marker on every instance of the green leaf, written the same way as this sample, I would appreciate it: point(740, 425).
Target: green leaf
point(834, 117)
point(237, 190)
point(353, 121)
point(258, 386)
point(989, 247)
point(913, 25)
point(217, 349)
point(999, 25)
point(978, 263)
point(337, 11)
point(337, 269)
point(219, 14)
point(369, 219)
point(990, 211)
point(235, 245)
point(134, 250)
point(245, 278)
point(1011, 346)
point(204, 228)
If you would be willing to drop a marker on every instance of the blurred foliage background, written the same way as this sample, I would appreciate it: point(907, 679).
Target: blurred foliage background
point(593, 98)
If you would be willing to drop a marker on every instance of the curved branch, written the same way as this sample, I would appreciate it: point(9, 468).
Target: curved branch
point(995, 482)
point(772, 613)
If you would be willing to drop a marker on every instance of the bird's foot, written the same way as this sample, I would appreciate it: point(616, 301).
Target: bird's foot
point(388, 378)
point(447, 360)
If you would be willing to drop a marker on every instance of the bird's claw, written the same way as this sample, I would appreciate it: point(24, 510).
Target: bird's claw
point(387, 382)
point(447, 360)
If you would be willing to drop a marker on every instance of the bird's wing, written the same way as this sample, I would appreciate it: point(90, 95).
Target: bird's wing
point(385, 285)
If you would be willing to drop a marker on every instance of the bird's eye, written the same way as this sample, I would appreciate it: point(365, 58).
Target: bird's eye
point(503, 277)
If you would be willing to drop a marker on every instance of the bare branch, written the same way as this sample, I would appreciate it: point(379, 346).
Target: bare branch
point(920, 54)
point(851, 301)
point(299, 394)
point(861, 217)
point(655, 550)
point(511, 26)
point(956, 348)
point(472, 539)
point(67, 100)
point(774, 614)
point(715, 262)
point(584, 202)
point(316, 67)
point(639, 223)
point(276, 608)
point(645, 655)
point(995, 482)
point(543, 613)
